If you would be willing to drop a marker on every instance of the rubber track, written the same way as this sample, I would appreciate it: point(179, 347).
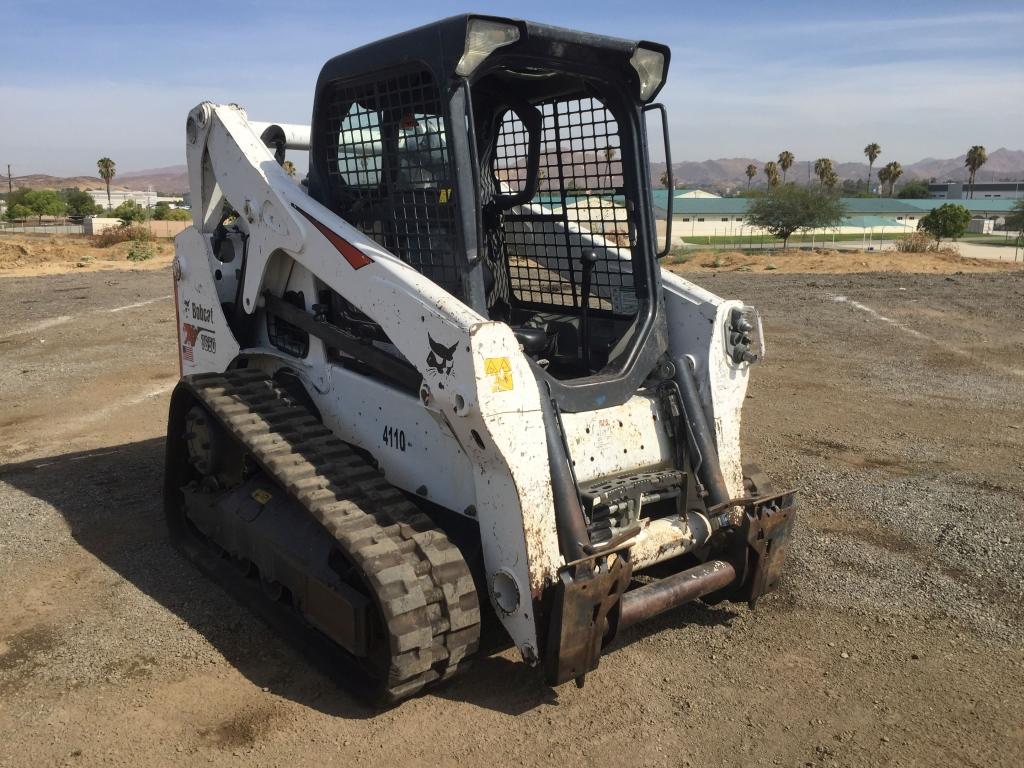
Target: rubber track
point(423, 588)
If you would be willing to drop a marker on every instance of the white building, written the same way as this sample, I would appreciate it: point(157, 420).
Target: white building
point(146, 199)
point(992, 190)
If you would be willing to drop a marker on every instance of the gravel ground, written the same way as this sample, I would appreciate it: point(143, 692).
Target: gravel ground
point(894, 402)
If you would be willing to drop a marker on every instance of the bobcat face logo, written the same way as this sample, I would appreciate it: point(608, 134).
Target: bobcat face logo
point(441, 358)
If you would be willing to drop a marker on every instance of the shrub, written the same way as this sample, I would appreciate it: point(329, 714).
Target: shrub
point(922, 242)
point(678, 256)
point(918, 242)
point(140, 250)
point(122, 234)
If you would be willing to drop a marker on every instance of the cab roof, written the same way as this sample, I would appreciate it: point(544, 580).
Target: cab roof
point(440, 45)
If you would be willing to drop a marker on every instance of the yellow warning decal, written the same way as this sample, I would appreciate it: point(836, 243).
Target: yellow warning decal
point(445, 195)
point(261, 496)
point(500, 369)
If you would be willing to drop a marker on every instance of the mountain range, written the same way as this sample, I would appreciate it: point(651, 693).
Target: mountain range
point(716, 175)
point(171, 180)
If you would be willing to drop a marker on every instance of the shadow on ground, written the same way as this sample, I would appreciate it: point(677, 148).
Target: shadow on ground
point(111, 499)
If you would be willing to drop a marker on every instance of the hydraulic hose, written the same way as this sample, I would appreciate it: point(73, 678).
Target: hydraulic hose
point(702, 439)
point(572, 527)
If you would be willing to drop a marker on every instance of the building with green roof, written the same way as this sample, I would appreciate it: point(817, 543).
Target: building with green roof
point(726, 216)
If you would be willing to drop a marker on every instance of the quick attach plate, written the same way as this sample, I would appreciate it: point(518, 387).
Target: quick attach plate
point(768, 524)
point(585, 594)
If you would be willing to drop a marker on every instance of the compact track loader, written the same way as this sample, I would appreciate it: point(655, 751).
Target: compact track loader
point(444, 377)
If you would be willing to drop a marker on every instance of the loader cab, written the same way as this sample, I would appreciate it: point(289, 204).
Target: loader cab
point(507, 162)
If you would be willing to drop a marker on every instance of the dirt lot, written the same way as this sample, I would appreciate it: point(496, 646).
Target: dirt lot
point(894, 402)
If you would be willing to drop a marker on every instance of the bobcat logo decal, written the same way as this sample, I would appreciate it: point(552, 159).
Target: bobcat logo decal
point(192, 333)
point(440, 357)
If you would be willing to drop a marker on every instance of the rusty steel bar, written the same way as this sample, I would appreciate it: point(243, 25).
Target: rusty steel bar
point(671, 592)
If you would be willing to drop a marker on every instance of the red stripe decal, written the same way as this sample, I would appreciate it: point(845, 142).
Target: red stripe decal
point(356, 258)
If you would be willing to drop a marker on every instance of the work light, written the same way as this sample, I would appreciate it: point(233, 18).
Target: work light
point(483, 37)
point(650, 65)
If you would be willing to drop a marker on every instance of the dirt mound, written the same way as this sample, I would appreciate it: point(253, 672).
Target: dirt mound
point(26, 255)
point(831, 262)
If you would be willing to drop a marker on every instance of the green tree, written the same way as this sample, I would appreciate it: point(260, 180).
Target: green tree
point(789, 208)
point(948, 220)
point(18, 212)
point(976, 157)
point(771, 170)
point(43, 202)
point(751, 173)
point(852, 188)
point(107, 169)
point(16, 199)
point(893, 171)
point(162, 211)
point(914, 189)
point(130, 212)
point(664, 179)
point(79, 203)
point(1015, 218)
point(871, 152)
point(786, 160)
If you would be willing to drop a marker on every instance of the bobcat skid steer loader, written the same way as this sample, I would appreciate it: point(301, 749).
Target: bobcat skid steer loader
point(445, 377)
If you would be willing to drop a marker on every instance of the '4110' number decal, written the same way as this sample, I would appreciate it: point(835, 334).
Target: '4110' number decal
point(394, 438)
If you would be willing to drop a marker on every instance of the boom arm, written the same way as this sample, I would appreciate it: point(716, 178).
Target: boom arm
point(499, 426)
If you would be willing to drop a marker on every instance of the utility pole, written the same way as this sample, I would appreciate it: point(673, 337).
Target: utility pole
point(10, 188)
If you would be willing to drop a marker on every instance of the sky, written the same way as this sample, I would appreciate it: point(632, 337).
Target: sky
point(747, 79)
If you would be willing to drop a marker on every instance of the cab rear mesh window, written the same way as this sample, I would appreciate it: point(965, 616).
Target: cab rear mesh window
point(389, 169)
point(580, 191)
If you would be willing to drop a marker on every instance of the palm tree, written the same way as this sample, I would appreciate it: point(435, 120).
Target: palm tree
point(976, 157)
point(771, 170)
point(751, 173)
point(830, 179)
point(871, 151)
point(893, 171)
point(609, 155)
point(108, 170)
point(786, 160)
point(289, 167)
point(823, 170)
point(822, 167)
point(883, 178)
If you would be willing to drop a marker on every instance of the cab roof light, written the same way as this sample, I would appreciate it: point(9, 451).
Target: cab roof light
point(483, 38)
point(650, 65)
